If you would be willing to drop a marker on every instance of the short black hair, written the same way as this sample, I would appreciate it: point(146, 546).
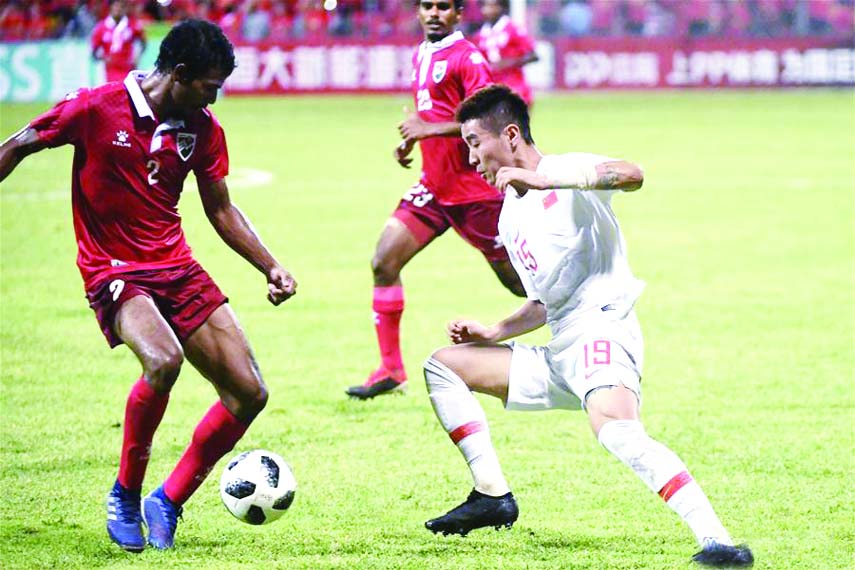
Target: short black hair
point(504, 4)
point(497, 107)
point(458, 4)
point(200, 45)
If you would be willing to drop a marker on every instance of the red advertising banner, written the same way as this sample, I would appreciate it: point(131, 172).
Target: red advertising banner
point(590, 63)
point(345, 67)
point(710, 63)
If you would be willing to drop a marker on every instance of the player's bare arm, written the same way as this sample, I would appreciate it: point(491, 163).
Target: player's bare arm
point(512, 62)
point(529, 317)
point(413, 128)
point(612, 175)
point(234, 228)
point(16, 148)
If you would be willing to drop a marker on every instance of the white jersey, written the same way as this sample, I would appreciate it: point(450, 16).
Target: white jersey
point(567, 247)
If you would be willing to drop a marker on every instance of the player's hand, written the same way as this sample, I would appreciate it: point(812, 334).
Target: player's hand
point(413, 128)
point(465, 330)
point(520, 179)
point(402, 153)
point(281, 286)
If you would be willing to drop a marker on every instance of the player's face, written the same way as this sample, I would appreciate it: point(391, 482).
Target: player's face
point(118, 10)
point(438, 18)
point(488, 152)
point(491, 10)
point(198, 93)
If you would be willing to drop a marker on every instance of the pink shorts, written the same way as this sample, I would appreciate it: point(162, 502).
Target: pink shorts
point(476, 222)
point(185, 296)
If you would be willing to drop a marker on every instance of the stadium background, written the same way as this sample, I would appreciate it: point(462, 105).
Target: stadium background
point(742, 114)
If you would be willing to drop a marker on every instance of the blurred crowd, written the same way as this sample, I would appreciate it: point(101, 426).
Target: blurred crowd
point(280, 20)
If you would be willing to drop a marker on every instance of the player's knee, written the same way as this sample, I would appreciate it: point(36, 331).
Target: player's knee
point(444, 366)
point(625, 439)
point(443, 355)
point(514, 285)
point(385, 270)
point(162, 368)
point(248, 403)
point(438, 376)
point(509, 278)
point(517, 289)
point(258, 400)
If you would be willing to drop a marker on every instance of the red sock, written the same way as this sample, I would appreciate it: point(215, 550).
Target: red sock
point(216, 435)
point(388, 307)
point(143, 413)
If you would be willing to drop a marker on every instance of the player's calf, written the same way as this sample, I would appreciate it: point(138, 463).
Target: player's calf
point(478, 511)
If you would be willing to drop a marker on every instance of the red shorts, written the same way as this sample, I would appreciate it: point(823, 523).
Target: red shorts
point(476, 222)
point(185, 296)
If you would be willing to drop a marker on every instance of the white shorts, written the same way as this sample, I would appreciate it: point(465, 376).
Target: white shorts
point(603, 349)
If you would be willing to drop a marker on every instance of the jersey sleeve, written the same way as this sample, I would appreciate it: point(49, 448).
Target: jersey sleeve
point(139, 31)
point(95, 38)
point(65, 122)
point(213, 163)
point(522, 41)
point(474, 72)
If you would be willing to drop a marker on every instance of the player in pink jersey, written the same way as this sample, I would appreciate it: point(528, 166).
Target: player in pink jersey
point(446, 70)
point(118, 40)
point(135, 142)
point(506, 46)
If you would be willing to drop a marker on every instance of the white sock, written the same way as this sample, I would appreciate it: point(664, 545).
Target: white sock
point(664, 473)
point(463, 418)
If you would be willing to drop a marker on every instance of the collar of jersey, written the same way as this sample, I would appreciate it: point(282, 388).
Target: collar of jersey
point(445, 42)
point(111, 23)
point(137, 97)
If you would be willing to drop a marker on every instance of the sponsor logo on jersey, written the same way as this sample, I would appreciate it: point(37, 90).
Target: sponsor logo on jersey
point(185, 142)
point(439, 69)
point(122, 139)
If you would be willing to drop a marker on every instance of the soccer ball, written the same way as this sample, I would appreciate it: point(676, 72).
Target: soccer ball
point(257, 487)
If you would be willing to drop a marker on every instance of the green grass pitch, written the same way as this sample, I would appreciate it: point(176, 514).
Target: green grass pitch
point(744, 232)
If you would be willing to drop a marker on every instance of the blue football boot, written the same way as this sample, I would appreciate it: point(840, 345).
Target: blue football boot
point(161, 517)
point(124, 520)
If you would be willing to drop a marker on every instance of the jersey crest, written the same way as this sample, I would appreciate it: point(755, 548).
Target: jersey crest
point(186, 143)
point(439, 69)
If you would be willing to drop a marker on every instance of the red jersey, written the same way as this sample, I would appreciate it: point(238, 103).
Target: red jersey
point(506, 40)
point(444, 74)
point(115, 42)
point(128, 172)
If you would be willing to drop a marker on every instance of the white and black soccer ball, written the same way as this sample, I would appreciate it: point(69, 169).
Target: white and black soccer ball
point(257, 486)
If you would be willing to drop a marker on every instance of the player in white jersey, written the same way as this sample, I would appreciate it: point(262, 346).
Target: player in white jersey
point(566, 245)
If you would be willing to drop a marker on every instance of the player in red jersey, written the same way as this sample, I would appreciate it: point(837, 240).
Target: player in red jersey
point(446, 70)
point(506, 46)
point(118, 40)
point(135, 142)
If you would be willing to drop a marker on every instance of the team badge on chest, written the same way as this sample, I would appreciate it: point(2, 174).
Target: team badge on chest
point(439, 69)
point(185, 143)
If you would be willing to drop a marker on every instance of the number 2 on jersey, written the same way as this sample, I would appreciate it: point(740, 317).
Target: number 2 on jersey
point(153, 167)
